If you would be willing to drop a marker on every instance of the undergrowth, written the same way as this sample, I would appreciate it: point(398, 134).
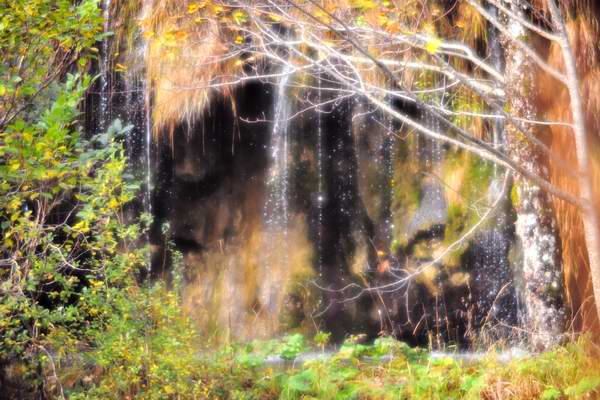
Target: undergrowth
point(151, 351)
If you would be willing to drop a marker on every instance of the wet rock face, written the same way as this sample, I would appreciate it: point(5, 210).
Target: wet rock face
point(495, 308)
point(345, 226)
point(432, 211)
point(211, 189)
point(209, 183)
point(248, 280)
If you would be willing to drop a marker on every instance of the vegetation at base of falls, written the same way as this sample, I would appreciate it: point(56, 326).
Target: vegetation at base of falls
point(152, 356)
point(67, 256)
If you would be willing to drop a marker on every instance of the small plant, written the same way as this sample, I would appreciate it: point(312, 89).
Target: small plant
point(292, 346)
point(321, 339)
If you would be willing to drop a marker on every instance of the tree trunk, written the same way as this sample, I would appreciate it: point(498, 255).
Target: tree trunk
point(541, 272)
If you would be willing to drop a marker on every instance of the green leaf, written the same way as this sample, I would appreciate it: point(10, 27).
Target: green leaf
point(551, 393)
point(302, 382)
point(292, 346)
point(585, 386)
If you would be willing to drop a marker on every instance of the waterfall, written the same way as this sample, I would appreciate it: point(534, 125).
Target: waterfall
point(391, 170)
point(320, 189)
point(496, 240)
point(276, 208)
point(148, 148)
point(136, 107)
point(105, 72)
point(433, 208)
point(389, 142)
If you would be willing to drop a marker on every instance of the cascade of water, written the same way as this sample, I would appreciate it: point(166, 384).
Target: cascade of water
point(500, 233)
point(104, 66)
point(389, 168)
point(435, 157)
point(148, 148)
point(276, 207)
point(430, 150)
point(320, 191)
point(495, 254)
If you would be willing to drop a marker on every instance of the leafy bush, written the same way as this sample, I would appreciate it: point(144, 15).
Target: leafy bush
point(148, 350)
point(66, 250)
point(40, 41)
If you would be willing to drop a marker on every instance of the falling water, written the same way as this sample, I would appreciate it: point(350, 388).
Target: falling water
point(148, 148)
point(495, 255)
point(433, 159)
point(388, 159)
point(495, 252)
point(320, 190)
point(104, 65)
point(276, 210)
point(276, 207)
point(435, 156)
point(497, 60)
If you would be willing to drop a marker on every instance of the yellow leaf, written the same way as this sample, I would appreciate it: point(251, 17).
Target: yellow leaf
point(239, 17)
point(275, 17)
point(383, 20)
point(364, 4)
point(433, 44)
point(113, 203)
point(120, 68)
point(169, 389)
point(180, 35)
point(14, 165)
point(81, 226)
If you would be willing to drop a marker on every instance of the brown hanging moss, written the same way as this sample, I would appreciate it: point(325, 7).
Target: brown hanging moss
point(553, 102)
point(185, 55)
point(193, 53)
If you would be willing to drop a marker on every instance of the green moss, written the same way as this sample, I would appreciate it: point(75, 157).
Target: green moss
point(457, 215)
point(301, 301)
point(470, 189)
point(406, 191)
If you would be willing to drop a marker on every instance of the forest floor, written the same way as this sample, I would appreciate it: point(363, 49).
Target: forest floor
point(151, 350)
point(388, 369)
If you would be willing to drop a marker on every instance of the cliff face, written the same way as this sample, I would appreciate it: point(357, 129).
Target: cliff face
point(362, 214)
point(367, 202)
